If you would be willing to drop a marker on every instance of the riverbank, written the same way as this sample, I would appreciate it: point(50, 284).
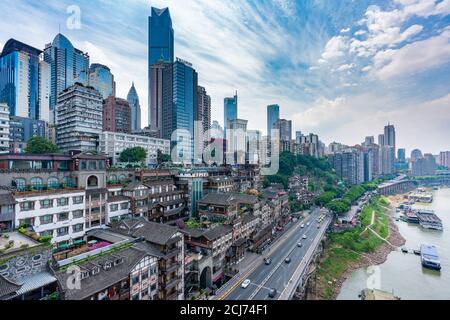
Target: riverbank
point(367, 245)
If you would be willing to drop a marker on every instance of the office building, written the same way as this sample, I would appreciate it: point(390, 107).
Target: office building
point(68, 66)
point(180, 82)
point(401, 155)
point(133, 101)
point(236, 141)
point(161, 36)
point(216, 130)
point(285, 129)
point(79, 119)
point(157, 91)
point(389, 137)
point(101, 78)
point(4, 128)
point(273, 115)
point(202, 119)
point(230, 110)
point(387, 156)
point(113, 143)
point(24, 80)
point(116, 115)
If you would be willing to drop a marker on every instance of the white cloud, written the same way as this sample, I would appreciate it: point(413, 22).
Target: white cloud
point(345, 30)
point(414, 58)
point(346, 67)
point(335, 48)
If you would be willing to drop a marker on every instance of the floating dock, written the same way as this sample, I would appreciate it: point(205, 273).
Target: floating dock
point(429, 220)
point(430, 257)
point(421, 197)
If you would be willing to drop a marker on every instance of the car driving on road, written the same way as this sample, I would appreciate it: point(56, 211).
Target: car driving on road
point(272, 293)
point(304, 236)
point(287, 260)
point(299, 245)
point(267, 261)
point(246, 283)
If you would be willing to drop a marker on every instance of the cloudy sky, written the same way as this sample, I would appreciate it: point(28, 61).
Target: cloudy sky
point(341, 69)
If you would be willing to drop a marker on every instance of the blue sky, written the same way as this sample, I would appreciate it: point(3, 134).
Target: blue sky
point(342, 69)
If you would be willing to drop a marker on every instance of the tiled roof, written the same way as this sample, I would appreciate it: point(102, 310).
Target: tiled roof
point(218, 232)
point(152, 232)
point(8, 289)
point(105, 278)
point(228, 198)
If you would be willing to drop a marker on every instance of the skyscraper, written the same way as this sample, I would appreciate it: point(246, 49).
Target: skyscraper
point(101, 78)
point(381, 140)
point(389, 137)
point(68, 66)
point(20, 78)
point(180, 82)
point(160, 48)
point(203, 115)
point(160, 36)
point(156, 94)
point(285, 128)
point(4, 128)
point(273, 115)
point(387, 156)
point(416, 154)
point(230, 111)
point(133, 101)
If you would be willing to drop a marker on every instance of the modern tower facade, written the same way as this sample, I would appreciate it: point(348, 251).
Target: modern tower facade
point(101, 78)
point(133, 101)
point(161, 36)
point(160, 48)
point(20, 78)
point(156, 94)
point(237, 141)
point(68, 65)
point(180, 82)
point(79, 116)
point(273, 115)
point(389, 137)
point(116, 115)
point(230, 111)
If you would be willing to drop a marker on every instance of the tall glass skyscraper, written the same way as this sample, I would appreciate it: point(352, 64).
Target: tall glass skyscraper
point(101, 78)
point(133, 101)
point(161, 36)
point(230, 111)
point(68, 66)
point(273, 115)
point(179, 106)
point(160, 52)
point(19, 79)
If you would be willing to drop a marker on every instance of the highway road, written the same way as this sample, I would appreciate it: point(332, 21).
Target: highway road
point(278, 273)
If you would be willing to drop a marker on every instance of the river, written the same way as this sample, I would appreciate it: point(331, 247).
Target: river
point(402, 274)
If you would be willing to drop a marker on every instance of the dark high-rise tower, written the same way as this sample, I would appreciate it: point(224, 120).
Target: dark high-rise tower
point(273, 115)
point(230, 111)
point(160, 50)
point(161, 36)
point(133, 101)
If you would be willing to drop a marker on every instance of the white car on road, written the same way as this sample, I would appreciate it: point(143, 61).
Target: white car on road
point(304, 236)
point(302, 226)
point(246, 283)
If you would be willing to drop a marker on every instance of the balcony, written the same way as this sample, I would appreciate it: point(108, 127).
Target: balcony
point(170, 283)
point(170, 268)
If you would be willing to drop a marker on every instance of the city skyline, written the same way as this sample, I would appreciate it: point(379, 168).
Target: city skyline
point(342, 80)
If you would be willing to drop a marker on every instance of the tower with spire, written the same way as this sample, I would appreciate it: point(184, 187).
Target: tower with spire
point(133, 101)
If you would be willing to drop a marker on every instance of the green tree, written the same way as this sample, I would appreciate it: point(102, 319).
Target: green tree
point(40, 145)
point(163, 158)
point(325, 198)
point(137, 154)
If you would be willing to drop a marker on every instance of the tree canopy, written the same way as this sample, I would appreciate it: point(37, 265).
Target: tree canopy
point(163, 158)
point(137, 154)
point(40, 145)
